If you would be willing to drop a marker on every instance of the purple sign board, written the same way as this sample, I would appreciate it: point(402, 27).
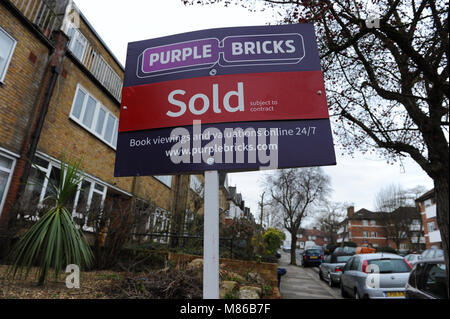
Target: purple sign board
point(233, 99)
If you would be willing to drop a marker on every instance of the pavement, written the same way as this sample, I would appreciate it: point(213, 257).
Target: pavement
point(304, 283)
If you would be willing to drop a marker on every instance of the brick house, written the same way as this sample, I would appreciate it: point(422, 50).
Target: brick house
point(426, 204)
point(60, 92)
point(365, 227)
point(236, 206)
point(315, 235)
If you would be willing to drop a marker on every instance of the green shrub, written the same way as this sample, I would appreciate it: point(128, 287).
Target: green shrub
point(54, 241)
point(272, 239)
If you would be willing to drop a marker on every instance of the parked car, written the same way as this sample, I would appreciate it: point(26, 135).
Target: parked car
point(330, 268)
point(309, 245)
point(403, 252)
point(388, 282)
point(412, 258)
point(428, 280)
point(346, 250)
point(432, 253)
point(312, 256)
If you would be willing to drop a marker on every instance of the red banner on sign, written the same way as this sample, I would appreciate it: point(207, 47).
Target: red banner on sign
point(224, 98)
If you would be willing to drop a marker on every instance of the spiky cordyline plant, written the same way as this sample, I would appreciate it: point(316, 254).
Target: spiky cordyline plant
point(54, 241)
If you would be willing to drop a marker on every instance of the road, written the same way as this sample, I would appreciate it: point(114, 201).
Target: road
point(304, 283)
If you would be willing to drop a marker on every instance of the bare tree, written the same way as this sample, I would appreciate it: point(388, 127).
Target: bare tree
point(398, 225)
point(391, 197)
point(294, 193)
point(330, 218)
point(397, 207)
point(387, 79)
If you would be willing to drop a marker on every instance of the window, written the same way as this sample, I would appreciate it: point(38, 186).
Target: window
point(365, 234)
point(431, 227)
point(90, 194)
point(439, 253)
point(349, 264)
point(374, 234)
point(365, 222)
point(165, 179)
point(342, 259)
point(77, 42)
point(373, 222)
point(404, 246)
point(428, 203)
point(7, 46)
point(6, 169)
point(355, 264)
point(434, 280)
point(387, 266)
point(94, 117)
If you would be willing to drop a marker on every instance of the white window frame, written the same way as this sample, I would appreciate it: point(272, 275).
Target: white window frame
point(8, 58)
point(93, 181)
point(93, 127)
point(365, 222)
point(77, 35)
point(10, 172)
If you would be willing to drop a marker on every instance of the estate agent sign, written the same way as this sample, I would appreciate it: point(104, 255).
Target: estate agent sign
point(223, 99)
point(230, 99)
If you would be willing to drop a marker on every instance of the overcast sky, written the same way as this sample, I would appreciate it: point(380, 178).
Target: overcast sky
point(354, 180)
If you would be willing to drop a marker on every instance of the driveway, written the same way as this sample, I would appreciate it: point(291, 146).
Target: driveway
point(303, 283)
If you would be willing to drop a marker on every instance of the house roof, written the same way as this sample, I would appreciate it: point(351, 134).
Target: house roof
point(407, 211)
point(366, 214)
point(311, 232)
point(426, 196)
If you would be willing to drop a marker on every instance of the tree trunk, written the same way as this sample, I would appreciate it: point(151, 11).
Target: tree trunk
point(441, 193)
point(293, 247)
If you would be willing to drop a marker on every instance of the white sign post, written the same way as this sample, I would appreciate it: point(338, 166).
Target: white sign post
point(211, 237)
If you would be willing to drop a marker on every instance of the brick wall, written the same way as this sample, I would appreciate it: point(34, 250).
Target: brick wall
point(357, 233)
point(19, 91)
point(61, 135)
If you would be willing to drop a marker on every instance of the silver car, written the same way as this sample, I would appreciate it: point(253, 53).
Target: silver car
point(378, 275)
point(413, 258)
point(330, 268)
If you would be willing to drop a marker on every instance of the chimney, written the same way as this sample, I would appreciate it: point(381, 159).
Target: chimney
point(350, 211)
